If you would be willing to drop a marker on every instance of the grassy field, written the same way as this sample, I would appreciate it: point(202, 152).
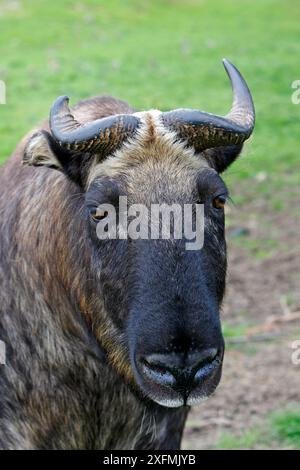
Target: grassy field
point(166, 54)
point(162, 54)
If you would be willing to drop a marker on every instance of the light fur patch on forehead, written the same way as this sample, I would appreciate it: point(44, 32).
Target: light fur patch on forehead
point(151, 141)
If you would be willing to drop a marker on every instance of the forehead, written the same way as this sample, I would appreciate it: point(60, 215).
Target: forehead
point(154, 154)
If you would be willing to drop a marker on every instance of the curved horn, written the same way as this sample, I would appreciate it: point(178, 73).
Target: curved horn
point(203, 130)
point(102, 135)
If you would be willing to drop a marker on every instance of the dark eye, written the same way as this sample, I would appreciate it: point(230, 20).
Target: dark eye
point(219, 202)
point(98, 214)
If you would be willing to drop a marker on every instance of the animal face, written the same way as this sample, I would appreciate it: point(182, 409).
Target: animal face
point(162, 298)
point(155, 304)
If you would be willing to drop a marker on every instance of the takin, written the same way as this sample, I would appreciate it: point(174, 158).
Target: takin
point(109, 341)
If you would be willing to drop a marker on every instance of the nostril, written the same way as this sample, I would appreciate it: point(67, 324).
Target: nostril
point(173, 369)
point(158, 372)
point(200, 359)
point(164, 362)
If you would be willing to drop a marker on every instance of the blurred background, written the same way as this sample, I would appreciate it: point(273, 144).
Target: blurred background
point(166, 54)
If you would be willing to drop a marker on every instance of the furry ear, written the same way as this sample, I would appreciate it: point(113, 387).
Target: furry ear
point(221, 157)
point(43, 150)
point(40, 151)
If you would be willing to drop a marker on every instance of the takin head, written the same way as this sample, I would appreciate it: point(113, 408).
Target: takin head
point(160, 324)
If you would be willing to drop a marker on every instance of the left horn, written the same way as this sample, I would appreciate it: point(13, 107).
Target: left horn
point(203, 130)
point(102, 135)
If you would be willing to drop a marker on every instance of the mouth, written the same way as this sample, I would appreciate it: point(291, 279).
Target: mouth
point(173, 382)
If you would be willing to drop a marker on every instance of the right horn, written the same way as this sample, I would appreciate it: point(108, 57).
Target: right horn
point(203, 130)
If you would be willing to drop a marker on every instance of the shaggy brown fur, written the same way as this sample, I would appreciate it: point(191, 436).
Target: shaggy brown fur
point(57, 387)
point(68, 382)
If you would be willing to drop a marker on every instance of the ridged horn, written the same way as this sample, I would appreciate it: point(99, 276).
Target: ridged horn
point(203, 130)
point(102, 135)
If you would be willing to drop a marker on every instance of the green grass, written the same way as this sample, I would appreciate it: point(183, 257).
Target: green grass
point(281, 429)
point(231, 442)
point(259, 248)
point(234, 331)
point(286, 427)
point(156, 53)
